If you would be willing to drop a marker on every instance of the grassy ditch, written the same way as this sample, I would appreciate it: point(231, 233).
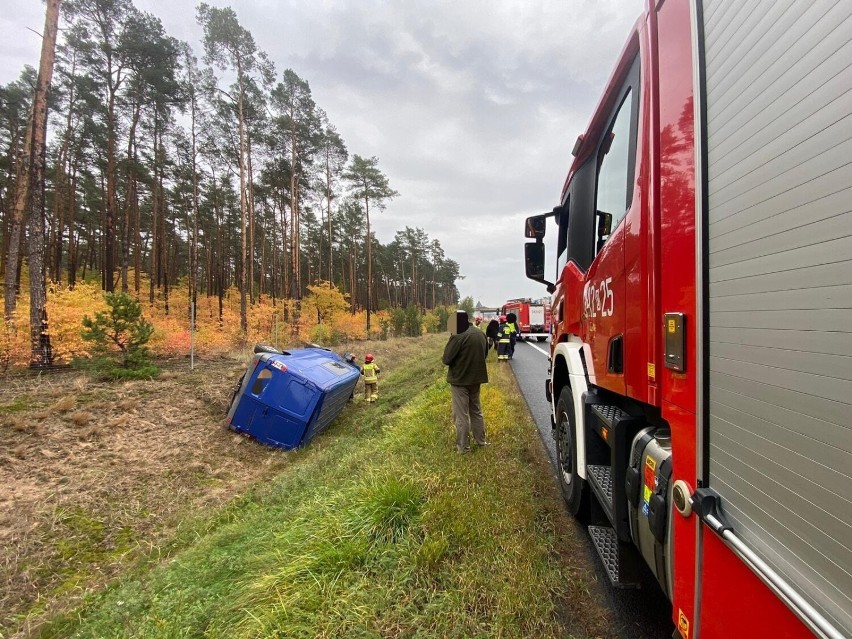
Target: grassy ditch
point(378, 529)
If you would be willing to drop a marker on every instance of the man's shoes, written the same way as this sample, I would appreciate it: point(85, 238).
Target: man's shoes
point(462, 451)
point(484, 443)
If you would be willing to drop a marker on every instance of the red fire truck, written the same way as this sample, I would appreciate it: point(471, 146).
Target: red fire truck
point(533, 317)
point(701, 366)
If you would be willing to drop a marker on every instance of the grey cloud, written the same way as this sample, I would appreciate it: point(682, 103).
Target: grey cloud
point(472, 107)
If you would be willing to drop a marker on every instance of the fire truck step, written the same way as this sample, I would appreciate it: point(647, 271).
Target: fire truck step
point(608, 415)
point(600, 479)
point(620, 569)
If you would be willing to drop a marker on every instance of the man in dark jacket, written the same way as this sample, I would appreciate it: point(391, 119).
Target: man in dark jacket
point(492, 332)
point(465, 355)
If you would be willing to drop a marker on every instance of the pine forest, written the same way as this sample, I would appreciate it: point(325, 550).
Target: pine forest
point(199, 179)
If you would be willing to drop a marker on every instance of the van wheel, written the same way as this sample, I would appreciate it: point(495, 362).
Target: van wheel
point(266, 348)
point(573, 486)
point(236, 390)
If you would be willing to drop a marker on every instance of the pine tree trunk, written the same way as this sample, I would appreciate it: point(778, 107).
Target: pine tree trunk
point(16, 226)
point(285, 264)
point(243, 207)
point(62, 192)
point(72, 239)
point(274, 278)
point(155, 205)
point(328, 204)
point(41, 352)
point(193, 254)
point(262, 265)
point(129, 197)
point(54, 244)
point(250, 195)
point(137, 250)
point(108, 265)
point(369, 265)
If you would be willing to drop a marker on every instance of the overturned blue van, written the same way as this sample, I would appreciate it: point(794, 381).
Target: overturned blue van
point(286, 398)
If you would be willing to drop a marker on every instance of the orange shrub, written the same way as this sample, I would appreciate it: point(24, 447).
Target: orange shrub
point(14, 341)
point(65, 311)
point(287, 322)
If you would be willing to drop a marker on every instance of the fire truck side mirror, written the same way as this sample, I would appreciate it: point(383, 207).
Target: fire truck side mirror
point(604, 230)
point(534, 261)
point(535, 227)
point(604, 224)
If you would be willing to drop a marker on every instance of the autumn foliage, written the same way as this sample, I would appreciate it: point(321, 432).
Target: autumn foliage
point(324, 316)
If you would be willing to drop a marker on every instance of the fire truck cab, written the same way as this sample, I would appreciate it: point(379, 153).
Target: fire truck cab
point(533, 317)
point(701, 360)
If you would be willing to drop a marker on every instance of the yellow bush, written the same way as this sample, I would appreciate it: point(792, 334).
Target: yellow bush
point(14, 341)
point(323, 316)
point(65, 310)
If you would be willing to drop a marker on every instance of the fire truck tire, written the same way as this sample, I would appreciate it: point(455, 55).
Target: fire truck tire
point(573, 486)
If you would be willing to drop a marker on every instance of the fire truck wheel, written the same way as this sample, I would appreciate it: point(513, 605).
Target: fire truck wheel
point(573, 486)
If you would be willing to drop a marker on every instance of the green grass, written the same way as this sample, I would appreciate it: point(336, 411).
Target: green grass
point(377, 530)
point(16, 406)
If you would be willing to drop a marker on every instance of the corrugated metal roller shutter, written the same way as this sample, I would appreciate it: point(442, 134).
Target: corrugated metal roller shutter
point(779, 161)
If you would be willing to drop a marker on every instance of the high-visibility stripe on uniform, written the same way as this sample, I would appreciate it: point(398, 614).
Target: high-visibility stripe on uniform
point(370, 373)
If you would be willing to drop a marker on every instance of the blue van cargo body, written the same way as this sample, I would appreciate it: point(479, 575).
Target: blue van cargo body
point(286, 399)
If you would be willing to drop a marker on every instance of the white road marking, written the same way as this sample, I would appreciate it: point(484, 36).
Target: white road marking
point(538, 348)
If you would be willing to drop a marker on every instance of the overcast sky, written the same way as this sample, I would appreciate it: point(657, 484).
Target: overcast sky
point(472, 107)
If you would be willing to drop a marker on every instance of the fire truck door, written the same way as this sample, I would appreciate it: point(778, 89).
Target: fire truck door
point(603, 310)
point(605, 288)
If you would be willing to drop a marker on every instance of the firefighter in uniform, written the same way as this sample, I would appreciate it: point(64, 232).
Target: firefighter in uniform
point(512, 324)
point(504, 339)
point(370, 371)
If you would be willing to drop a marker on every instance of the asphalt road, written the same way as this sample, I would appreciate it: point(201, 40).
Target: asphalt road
point(643, 613)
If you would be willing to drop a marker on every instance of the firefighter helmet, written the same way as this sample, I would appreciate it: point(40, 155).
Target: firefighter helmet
point(368, 358)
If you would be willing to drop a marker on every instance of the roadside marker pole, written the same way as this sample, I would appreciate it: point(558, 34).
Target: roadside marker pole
point(192, 337)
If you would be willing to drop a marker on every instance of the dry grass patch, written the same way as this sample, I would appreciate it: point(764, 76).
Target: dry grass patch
point(64, 405)
point(18, 423)
point(92, 432)
point(118, 422)
point(119, 458)
point(127, 404)
point(81, 417)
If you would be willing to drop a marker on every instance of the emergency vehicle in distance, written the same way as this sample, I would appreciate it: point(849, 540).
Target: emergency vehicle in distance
point(533, 317)
point(700, 379)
